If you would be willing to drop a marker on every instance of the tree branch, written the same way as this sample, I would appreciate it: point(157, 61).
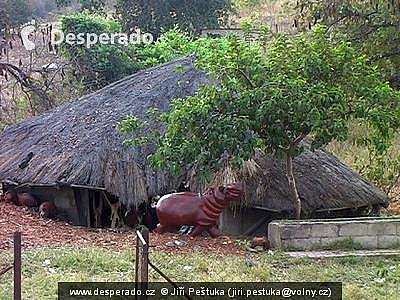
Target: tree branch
point(246, 77)
point(299, 139)
point(28, 83)
point(386, 55)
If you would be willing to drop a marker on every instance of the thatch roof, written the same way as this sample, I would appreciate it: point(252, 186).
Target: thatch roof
point(78, 143)
point(323, 182)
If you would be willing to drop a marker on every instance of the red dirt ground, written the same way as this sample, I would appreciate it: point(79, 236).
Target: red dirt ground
point(38, 232)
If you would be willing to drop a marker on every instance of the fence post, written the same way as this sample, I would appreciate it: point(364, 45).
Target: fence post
point(17, 265)
point(142, 261)
point(137, 262)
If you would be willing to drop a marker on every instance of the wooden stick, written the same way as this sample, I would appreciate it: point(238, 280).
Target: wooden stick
point(166, 278)
point(5, 270)
point(17, 265)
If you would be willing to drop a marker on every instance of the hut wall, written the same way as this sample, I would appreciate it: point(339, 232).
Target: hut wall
point(237, 221)
point(82, 205)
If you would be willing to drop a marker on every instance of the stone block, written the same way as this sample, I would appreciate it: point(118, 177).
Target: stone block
point(274, 235)
point(381, 228)
point(353, 229)
point(368, 242)
point(297, 231)
point(302, 244)
point(324, 230)
point(388, 241)
point(331, 240)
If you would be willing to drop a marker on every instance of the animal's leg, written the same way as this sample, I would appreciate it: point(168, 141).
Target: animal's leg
point(98, 210)
point(197, 230)
point(159, 229)
point(213, 231)
point(115, 218)
point(162, 228)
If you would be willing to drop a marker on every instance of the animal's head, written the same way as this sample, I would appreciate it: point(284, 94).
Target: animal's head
point(232, 192)
point(47, 209)
point(11, 196)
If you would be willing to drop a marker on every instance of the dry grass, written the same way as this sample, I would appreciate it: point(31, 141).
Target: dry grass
point(382, 171)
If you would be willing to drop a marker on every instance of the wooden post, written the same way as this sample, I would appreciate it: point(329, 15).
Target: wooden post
point(145, 259)
point(137, 287)
point(17, 265)
point(142, 260)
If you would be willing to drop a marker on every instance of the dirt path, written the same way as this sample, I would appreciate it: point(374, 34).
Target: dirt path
point(38, 232)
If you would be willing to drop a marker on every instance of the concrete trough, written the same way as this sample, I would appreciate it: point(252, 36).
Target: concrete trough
point(368, 233)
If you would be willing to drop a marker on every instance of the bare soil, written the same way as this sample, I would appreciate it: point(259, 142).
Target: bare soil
point(38, 232)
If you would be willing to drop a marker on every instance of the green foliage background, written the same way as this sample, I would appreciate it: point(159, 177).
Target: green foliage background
point(158, 16)
point(101, 64)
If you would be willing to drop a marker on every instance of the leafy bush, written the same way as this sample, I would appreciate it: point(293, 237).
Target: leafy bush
point(101, 64)
point(156, 16)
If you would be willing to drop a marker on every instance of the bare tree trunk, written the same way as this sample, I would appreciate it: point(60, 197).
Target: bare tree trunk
point(292, 185)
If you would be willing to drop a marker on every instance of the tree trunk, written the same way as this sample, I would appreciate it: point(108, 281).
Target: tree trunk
point(292, 185)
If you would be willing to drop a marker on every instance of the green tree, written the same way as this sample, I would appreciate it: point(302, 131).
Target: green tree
point(156, 16)
point(100, 64)
point(372, 26)
point(272, 97)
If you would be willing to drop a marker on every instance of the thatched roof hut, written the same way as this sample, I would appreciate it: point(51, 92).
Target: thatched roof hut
point(324, 184)
point(77, 144)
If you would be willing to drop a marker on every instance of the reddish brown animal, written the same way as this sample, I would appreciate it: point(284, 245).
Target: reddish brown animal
point(11, 196)
point(260, 242)
point(200, 211)
point(47, 210)
point(26, 199)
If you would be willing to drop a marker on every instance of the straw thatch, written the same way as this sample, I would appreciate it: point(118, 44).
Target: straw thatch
point(78, 143)
point(323, 182)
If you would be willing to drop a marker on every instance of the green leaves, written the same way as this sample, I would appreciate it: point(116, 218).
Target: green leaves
point(199, 134)
point(130, 124)
point(371, 26)
point(158, 16)
point(273, 98)
point(102, 63)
